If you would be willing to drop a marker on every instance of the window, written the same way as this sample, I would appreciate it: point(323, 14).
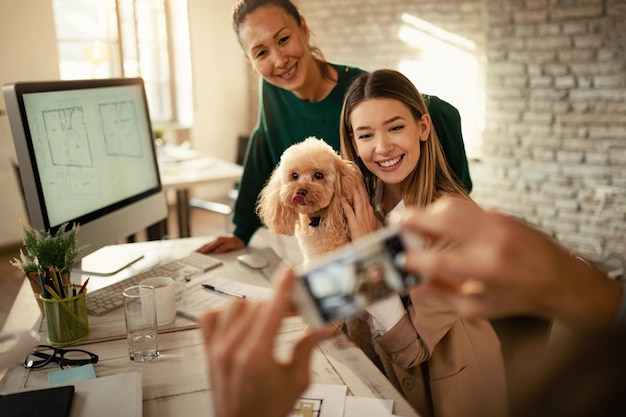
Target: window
point(130, 38)
point(454, 73)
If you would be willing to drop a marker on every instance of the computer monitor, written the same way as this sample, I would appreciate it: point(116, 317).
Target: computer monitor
point(86, 155)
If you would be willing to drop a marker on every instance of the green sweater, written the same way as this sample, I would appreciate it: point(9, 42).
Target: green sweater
point(284, 119)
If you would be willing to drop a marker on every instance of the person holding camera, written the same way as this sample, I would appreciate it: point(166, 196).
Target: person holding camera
point(495, 266)
point(445, 365)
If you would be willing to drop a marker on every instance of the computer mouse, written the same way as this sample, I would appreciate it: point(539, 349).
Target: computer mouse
point(253, 261)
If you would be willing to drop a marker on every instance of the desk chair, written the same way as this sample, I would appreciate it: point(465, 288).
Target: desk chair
point(224, 207)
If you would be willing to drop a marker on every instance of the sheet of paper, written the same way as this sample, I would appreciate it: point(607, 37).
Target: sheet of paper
point(367, 407)
point(321, 400)
point(114, 395)
point(199, 299)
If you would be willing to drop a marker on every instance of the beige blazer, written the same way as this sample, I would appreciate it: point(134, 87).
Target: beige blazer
point(444, 365)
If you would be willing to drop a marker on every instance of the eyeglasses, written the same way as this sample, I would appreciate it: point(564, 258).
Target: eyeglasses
point(42, 355)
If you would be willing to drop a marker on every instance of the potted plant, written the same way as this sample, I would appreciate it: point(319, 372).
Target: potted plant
point(43, 249)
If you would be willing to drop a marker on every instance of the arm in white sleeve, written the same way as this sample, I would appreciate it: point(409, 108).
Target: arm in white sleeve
point(386, 313)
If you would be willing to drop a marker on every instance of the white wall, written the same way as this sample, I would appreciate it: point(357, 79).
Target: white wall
point(219, 78)
point(28, 51)
point(220, 83)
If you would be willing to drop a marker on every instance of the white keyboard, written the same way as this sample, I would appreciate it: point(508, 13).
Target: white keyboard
point(109, 298)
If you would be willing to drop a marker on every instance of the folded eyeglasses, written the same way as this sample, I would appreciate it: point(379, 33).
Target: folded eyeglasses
point(42, 355)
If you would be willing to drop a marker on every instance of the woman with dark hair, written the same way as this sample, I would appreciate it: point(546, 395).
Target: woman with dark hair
point(300, 95)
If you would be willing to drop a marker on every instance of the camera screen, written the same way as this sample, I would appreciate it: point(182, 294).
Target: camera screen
point(348, 284)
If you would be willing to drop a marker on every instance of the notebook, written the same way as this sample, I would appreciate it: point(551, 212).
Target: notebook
point(118, 395)
point(46, 402)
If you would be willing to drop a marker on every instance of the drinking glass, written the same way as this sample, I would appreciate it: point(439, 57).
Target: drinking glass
point(141, 323)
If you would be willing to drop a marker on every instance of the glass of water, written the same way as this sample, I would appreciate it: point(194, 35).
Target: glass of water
point(141, 323)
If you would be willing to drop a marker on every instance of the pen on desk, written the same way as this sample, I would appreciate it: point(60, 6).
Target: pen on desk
point(222, 291)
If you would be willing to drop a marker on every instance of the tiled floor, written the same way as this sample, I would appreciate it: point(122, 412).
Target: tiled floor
point(202, 224)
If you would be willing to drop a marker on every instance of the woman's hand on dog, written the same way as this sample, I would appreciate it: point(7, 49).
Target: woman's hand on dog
point(222, 244)
point(360, 217)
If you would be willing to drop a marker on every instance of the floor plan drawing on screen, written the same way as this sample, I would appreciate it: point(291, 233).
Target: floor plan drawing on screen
point(120, 129)
point(67, 136)
point(86, 155)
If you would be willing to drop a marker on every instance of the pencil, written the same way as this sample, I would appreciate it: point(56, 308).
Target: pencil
point(61, 284)
point(42, 281)
point(55, 281)
point(52, 292)
point(84, 286)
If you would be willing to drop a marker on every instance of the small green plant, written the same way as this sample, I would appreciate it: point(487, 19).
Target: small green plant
point(44, 249)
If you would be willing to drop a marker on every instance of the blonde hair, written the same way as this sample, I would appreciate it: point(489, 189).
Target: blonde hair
point(432, 177)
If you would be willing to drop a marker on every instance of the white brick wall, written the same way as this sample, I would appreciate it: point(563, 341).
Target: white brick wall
point(556, 100)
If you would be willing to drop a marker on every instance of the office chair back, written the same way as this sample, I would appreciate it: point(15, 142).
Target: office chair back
point(225, 208)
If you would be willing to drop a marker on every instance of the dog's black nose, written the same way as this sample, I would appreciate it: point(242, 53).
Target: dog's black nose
point(301, 192)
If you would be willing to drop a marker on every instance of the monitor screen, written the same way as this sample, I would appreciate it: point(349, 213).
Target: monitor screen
point(86, 155)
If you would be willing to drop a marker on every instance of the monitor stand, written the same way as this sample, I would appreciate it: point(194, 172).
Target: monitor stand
point(106, 261)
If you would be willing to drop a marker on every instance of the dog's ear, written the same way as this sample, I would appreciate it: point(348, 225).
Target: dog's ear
point(348, 179)
point(351, 179)
point(278, 218)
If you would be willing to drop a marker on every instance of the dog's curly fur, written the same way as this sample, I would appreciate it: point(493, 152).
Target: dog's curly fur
point(307, 184)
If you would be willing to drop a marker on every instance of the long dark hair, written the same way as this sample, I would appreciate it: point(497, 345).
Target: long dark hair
point(243, 8)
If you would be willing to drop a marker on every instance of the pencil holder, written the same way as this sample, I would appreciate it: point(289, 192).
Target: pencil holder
point(66, 319)
point(35, 284)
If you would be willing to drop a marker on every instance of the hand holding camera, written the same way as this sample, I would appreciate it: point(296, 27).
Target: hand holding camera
point(347, 281)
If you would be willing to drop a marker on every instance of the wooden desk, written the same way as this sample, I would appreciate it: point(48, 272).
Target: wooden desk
point(187, 168)
point(177, 383)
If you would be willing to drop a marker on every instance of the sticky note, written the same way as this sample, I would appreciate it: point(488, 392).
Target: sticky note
point(79, 373)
